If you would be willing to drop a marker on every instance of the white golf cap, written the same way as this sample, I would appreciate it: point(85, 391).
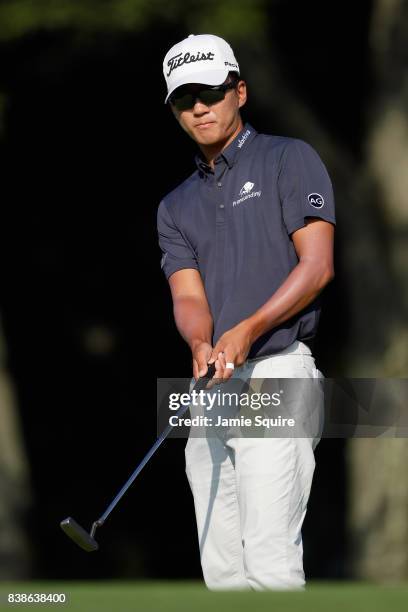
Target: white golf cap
point(203, 58)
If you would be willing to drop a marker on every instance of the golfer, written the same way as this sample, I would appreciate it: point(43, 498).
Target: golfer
point(247, 243)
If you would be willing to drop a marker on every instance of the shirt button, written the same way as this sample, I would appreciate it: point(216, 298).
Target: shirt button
point(221, 205)
point(219, 184)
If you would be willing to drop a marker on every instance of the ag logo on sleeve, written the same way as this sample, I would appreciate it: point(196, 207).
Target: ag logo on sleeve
point(315, 200)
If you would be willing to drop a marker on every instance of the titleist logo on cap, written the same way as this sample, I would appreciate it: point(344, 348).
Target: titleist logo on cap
point(201, 58)
point(176, 61)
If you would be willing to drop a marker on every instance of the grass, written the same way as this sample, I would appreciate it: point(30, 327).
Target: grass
point(152, 596)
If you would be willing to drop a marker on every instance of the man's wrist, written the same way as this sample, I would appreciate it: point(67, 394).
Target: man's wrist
point(255, 327)
point(197, 341)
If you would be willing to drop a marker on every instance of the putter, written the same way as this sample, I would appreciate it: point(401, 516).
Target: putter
point(87, 540)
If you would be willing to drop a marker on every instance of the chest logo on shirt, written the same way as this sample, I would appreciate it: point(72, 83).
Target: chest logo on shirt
point(246, 188)
point(316, 200)
point(246, 192)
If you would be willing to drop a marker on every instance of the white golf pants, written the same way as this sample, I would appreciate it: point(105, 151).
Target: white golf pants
point(251, 494)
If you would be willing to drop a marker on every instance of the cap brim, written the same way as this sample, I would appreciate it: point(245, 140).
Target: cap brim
point(210, 77)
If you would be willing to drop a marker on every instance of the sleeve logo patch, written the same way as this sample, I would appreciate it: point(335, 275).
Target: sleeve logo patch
point(315, 200)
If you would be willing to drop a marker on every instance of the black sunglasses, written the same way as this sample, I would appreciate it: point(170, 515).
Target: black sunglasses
point(184, 98)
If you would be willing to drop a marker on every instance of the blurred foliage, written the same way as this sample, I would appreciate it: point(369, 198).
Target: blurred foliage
point(235, 19)
point(3, 99)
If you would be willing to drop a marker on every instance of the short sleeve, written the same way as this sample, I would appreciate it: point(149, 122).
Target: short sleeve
point(305, 187)
point(177, 253)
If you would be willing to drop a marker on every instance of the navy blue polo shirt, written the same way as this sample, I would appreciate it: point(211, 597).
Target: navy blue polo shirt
point(234, 226)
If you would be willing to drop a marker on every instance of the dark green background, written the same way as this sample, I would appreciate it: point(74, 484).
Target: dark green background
point(88, 150)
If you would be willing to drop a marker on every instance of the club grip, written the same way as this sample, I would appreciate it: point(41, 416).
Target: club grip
point(203, 380)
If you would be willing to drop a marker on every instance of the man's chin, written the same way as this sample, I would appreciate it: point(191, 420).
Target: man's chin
point(207, 136)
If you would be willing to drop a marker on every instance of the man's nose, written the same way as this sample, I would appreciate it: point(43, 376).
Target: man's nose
point(199, 107)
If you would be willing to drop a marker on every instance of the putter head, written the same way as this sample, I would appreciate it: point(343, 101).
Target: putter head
point(79, 535)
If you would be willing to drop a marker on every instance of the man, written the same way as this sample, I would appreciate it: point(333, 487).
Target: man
point(247, 244)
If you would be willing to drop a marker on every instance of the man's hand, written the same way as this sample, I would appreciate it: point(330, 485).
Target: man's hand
point(232, 347)
point(202, 352)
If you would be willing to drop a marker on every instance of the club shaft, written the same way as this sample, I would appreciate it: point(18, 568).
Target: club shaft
point(200, 384)
point(140, 467)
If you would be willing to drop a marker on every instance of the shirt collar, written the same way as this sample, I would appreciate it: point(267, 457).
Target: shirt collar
point(230, 154)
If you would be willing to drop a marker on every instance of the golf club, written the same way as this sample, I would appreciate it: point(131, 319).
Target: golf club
point(87, 540)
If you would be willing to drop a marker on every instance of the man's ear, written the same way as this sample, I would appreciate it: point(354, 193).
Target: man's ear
point(242, 93)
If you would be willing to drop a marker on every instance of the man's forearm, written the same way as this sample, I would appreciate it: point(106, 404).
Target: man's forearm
point(193, 320)
point(301, 287)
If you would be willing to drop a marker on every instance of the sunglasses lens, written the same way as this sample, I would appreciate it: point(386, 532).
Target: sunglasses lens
point(211, 96)
point(184, 100)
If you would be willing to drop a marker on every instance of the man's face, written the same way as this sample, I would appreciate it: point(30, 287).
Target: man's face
point(212, 124)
